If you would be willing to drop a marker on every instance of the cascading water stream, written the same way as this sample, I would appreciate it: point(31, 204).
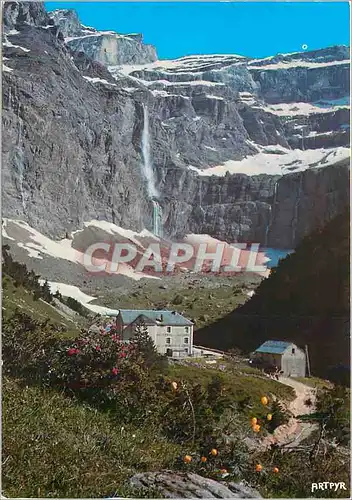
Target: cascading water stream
point(149, 175)
point(296, 208)
point(271, 215)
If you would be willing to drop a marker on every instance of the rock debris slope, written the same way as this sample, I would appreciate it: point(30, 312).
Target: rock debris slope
point(242, 149)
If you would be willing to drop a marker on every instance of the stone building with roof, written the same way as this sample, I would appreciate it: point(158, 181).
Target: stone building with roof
point(289, 359)
point(171, 332)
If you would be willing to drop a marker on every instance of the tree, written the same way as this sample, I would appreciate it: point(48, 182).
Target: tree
point(145, 346)
point(141, 339)
point(76, 306)
point(332, 414)
point(46, 294)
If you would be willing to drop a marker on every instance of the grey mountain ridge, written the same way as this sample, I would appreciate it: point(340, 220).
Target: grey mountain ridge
point(73, 118)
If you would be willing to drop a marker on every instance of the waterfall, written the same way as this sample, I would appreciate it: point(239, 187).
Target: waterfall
point(201, 197)
point(157, 218)
point(296, 208)
point(271, 215)
point(19, 162)
point(149, 175)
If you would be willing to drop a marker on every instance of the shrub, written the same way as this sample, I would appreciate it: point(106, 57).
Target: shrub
point(279, 416)
point(26, 344)
point(75, 306)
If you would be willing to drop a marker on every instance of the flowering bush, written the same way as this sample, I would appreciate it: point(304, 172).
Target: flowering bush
point(101, 369)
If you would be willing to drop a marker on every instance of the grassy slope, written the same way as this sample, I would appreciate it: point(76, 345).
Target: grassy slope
point(315, 382)
point(19, 298)
point(204, 302)
point(55, 446)
point(238, 384)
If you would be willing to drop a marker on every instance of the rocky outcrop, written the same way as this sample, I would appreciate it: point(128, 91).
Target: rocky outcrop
point(105, 47)
point(235, 152)
point(19, 13)
point(67, 147)
point(112, 49)
point(188, 485)
point(308, 77)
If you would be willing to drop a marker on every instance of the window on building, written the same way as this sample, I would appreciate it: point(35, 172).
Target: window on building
point(168, 329)
point(186, 329)
point(293, 350)
point(186, 350)
point(186, 340)
point(168, 340)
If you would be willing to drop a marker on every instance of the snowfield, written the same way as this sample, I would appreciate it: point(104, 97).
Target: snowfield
point(77, 294)
point(281, 162)
point(38, 245)
point(305, 108)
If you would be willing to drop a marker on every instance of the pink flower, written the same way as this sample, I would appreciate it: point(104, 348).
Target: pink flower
point(98, 348)
point(72, 351)
point(122, 355)
point(115, 371)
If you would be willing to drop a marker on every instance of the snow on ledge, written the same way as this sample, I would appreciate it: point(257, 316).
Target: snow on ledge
point(269, 162)
point(305, 108)
point(98, 80)
point(9, 44)
point(296, 64)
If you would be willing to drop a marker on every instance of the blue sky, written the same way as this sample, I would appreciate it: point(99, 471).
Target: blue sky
point(250, 29)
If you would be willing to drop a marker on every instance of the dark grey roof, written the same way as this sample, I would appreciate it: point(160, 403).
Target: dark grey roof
point(169, 317)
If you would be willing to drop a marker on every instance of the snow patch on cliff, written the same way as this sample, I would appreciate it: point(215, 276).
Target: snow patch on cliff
point(305, 108)
point(9, 44)
point(98, 80)
point(295, 64)
point(278, 161)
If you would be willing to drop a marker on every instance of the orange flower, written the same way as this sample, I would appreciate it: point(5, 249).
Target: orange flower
point(258, 468)
point(254, 420)
point(214, 452)
point(203, 459)
point(256, 428)
point(264, 400)
point(269, 417)
point(276, 470)
point(187, 459)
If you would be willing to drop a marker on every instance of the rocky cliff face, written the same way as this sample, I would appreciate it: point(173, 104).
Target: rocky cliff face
point(242, 149)
point(105, 47)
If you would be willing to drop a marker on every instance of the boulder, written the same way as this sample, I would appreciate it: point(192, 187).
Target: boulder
point(188, 485)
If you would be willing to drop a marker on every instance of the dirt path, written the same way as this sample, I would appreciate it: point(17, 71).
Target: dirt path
point(292, 433)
